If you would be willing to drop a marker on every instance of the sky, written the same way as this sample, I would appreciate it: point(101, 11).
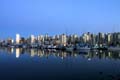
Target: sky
point(36, 17)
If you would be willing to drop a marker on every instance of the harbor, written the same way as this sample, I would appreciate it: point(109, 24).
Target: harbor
point(85, 42)
point(63, 48)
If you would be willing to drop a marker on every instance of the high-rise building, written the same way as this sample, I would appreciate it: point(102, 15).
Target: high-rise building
point(32, 38)
point(63, 39)
point(57, 37)
point(17, 38)
point(93, 39)
point(119, 36)
point(86, 37)
point(40, 38)
point(117, 39)
point(23, 40)
point(109, 37)
point(46, 37)
point(101, 38)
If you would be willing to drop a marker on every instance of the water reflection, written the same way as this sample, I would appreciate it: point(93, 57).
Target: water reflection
point(62, 54)
point(73, 66)
point(17, 52)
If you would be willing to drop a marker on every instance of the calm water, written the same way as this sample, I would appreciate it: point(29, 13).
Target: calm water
point(32, 64)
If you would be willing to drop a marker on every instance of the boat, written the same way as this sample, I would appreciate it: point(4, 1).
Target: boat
point(69, 49)
point(82, 48)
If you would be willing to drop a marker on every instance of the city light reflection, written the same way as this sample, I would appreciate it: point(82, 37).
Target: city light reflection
point(17, 52)
point(63, 54)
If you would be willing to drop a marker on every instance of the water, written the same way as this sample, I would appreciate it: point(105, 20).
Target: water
point(33, 64)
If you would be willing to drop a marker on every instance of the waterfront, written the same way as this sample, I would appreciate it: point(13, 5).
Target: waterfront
point(23, 64)
point(74, 42)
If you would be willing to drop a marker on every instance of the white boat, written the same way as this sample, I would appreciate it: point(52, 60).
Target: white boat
point(83, 49)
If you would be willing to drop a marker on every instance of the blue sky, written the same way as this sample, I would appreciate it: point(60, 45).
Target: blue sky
point(58, 16)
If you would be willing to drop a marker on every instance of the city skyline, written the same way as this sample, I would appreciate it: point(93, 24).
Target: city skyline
point(90, 39)
point(56, 17)
point(53, 35)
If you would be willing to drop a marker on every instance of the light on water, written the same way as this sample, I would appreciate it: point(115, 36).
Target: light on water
point(52, 64)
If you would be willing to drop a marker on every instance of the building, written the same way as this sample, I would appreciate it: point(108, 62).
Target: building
point(23, 40)
point(46, 37)
point(109, 38)
point(101, 39)
point(63, 39)
point(93, 39)
point(18, 38)
point(74, 37)
point(32, 39)
point(10, 41)
point(40, 39)
point(86, 37)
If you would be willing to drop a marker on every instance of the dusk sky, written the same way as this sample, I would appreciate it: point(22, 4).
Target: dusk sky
point(58, 16)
